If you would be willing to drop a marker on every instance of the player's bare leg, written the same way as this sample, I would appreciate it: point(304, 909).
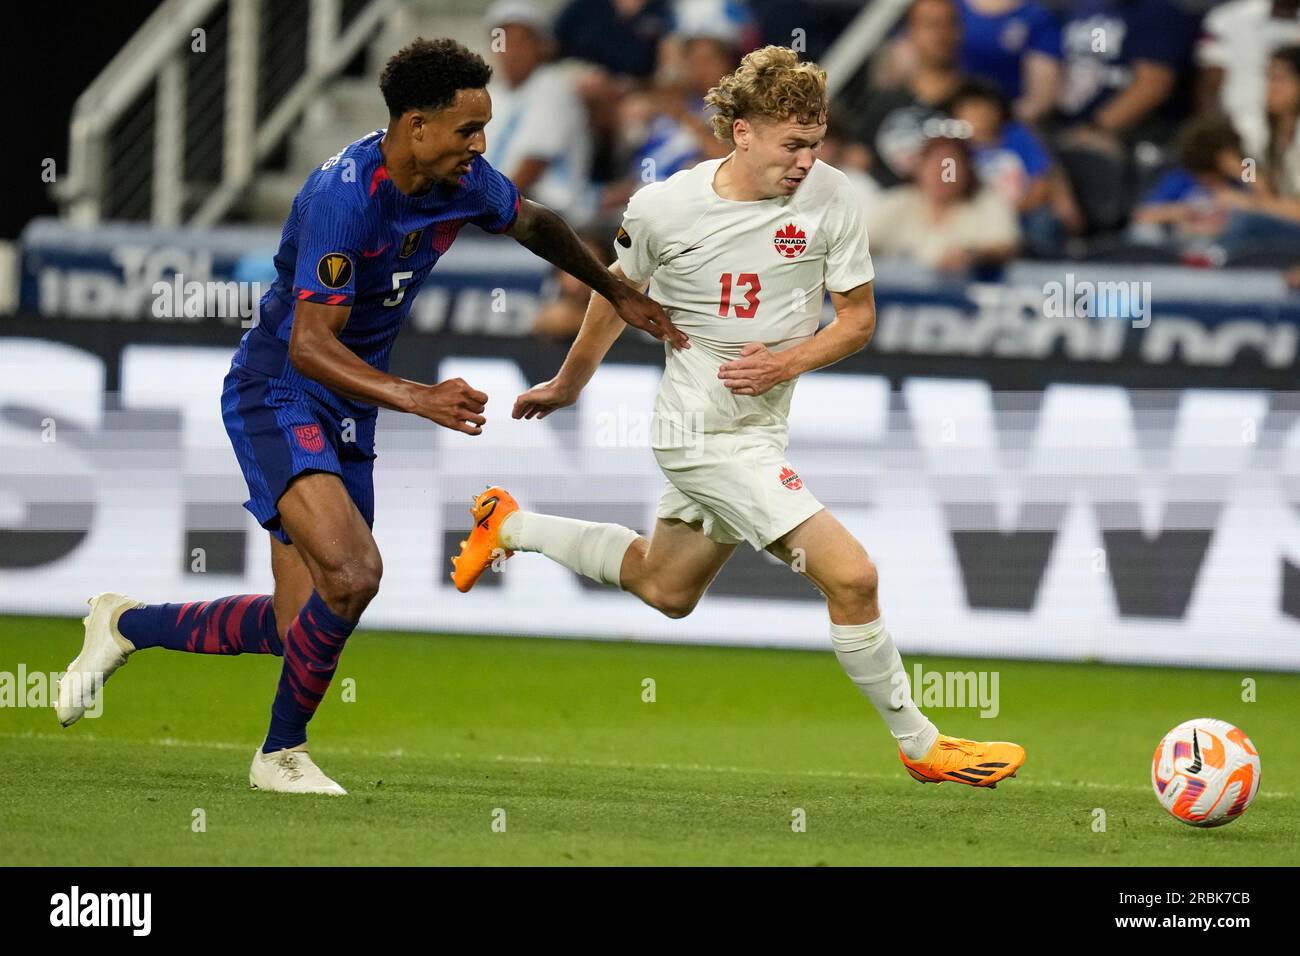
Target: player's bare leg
point(829, 556)
point(670, 571)
point(293, 583)
point(339, 553)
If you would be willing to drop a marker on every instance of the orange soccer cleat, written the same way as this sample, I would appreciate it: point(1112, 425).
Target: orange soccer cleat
point(972, 762)
point(483, 544)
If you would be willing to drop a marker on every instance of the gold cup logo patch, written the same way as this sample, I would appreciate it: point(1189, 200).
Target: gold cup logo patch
point(410, 243)
point(334, 270)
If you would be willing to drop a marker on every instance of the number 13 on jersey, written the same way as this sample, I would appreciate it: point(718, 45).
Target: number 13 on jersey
point(750, 281)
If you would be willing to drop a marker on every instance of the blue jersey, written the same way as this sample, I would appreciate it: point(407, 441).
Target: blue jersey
point(993, 45)
point(353, 238)
point(1133, 30)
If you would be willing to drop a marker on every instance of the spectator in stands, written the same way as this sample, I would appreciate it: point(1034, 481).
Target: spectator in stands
point(1237, 39)
point(702, 53)
point(1264, 223)
point(618, 41)
point(814, 23)
point(1212, 200)
point(1183, 203)
point(654, 141)
point(1017, 45)
point(538, 135)
point(665, 128)
point(729, 20)
point(1280, 150)
point(622, 36)
point(897, 122)
point(849, 157)
point(1010, 160)
point(945, 220)
point(1123, 59)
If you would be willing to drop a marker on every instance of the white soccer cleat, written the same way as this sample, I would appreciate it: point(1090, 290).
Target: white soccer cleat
point(103, 651)
point(290, 771)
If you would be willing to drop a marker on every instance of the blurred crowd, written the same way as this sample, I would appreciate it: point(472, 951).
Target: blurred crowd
point(979, 131)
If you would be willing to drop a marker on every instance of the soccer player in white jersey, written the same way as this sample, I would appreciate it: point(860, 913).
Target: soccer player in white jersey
point(739, 251)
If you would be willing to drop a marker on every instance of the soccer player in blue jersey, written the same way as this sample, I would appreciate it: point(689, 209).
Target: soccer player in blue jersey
point(304, 388)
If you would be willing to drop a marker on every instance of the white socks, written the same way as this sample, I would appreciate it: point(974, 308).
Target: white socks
point(868, 656)
point(588, 548)
point(865, 651)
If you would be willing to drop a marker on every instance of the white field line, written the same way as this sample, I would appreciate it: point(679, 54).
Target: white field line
point(594, 764)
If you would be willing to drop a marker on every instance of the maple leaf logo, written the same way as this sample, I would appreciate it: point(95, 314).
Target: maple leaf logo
point(790, 478)
point(790, 241)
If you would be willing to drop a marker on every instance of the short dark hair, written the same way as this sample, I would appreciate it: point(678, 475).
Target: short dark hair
point(425, 75)
point(1203, 138)
point(978, 88)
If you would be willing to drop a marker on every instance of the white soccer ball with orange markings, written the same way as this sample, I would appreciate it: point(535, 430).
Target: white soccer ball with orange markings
point(1205, 772)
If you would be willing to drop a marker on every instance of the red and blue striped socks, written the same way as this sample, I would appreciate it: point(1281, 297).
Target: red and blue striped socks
point(240, 624)
point(311, 655)
point(245, 624)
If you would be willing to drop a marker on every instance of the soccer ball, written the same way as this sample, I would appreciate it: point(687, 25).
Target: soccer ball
point(1205, 772)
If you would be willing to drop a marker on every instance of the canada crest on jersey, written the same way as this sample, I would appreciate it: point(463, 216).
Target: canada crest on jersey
point(790, 241)
point(790, 478)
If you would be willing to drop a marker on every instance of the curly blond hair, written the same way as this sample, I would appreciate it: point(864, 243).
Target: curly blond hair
point(769, 84)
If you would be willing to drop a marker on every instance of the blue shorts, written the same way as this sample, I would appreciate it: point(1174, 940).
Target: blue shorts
point(280, 431)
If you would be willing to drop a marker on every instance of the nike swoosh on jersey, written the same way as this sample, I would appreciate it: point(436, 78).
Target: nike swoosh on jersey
point(371, 255)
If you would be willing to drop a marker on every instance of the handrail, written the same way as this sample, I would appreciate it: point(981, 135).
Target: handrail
point(859, 40)
point(292, 105)
point(138, 63)
point(154, 55)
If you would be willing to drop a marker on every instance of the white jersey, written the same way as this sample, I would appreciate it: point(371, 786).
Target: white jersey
point(729, 273)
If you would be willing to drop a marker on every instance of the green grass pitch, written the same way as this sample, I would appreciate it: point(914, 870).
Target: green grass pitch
point(447, 731)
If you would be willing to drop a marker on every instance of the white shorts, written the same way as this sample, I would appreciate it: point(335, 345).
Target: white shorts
point(738, 485)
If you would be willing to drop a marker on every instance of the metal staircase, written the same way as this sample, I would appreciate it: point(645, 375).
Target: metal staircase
point(181, 126)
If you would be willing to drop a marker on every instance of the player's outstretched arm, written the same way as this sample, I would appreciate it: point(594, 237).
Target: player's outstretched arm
point(316, 352)
point(601, 328)
point(758, 368)
point(545, 234)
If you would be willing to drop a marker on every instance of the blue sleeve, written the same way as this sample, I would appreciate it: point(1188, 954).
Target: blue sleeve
point(330, 234)
point(495, 200)
point(1029, 148)
point(1172, 186)
point(1157, 31)
point(1044, 31)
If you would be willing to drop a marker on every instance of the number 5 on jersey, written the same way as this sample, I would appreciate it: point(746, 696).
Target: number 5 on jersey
point(748, 279)
point(398, 279)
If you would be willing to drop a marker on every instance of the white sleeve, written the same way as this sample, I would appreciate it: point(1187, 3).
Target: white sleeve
point(848, 263)
point(1211, 48)
point(547, 127)
point(635, 246)
point(998, 223)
